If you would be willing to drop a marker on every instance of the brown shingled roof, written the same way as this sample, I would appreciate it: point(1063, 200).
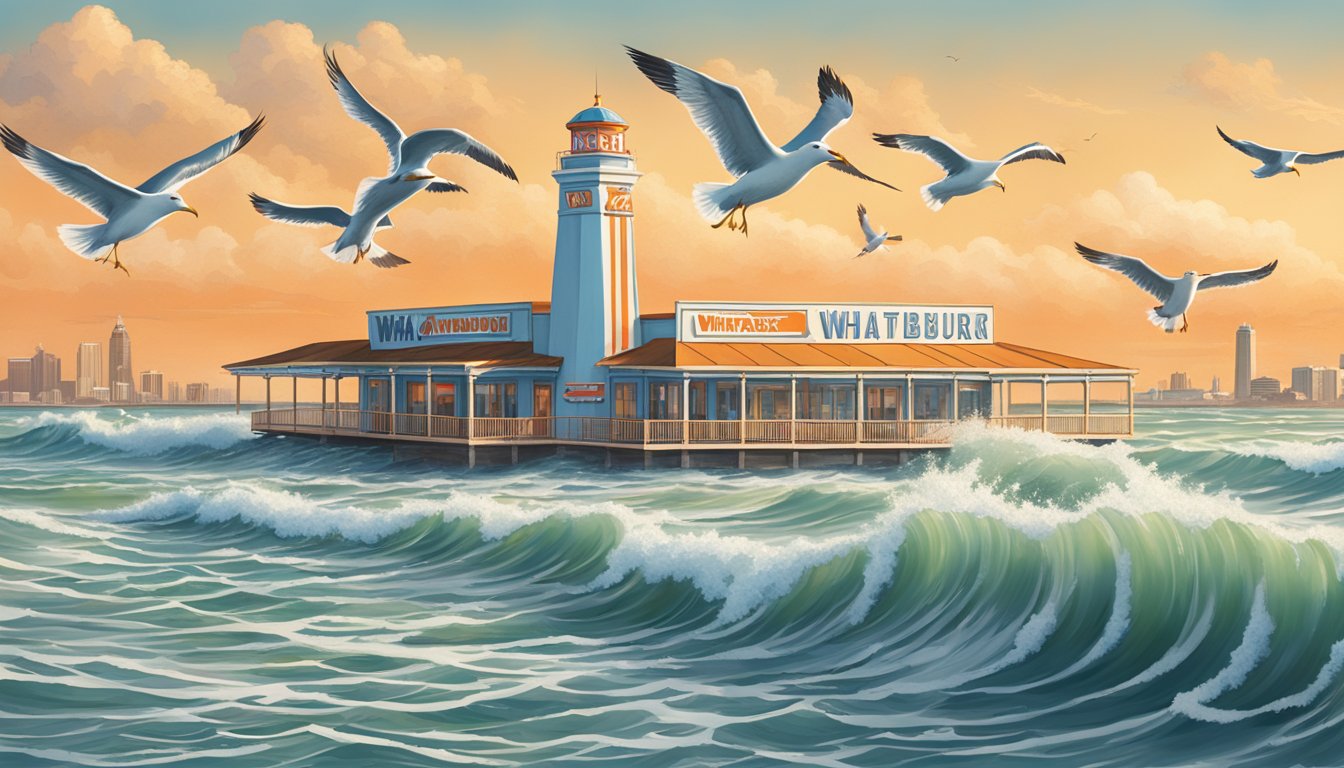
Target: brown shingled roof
point(670, 353)
point(486, 354)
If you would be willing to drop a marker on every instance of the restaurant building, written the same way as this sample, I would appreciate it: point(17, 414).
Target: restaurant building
point(724, 382)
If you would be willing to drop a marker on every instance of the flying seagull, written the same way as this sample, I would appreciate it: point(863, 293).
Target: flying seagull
point(408, 173)
point(128, 212)
point(1276, 161)
point(319, 215)
point(964, 175)
point(763, 171)
point(1175, 293)
point(954, 58)
point(872, 240)
point(1089, 138)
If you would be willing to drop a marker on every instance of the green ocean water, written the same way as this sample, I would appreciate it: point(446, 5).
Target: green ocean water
point(177, 591)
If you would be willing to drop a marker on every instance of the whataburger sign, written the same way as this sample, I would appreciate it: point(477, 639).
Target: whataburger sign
point(835, 323)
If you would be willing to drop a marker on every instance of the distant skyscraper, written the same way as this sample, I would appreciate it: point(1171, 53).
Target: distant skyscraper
point(88, 368)
point(151, 386)
point(173, 392)
point(1317, 383)
point(198, 392)
point(1245, 362)
point(119, 363)
point(46, 372)
point(21, 376)
point(1264, 388)
point(1179, 380)
point(1217, 385)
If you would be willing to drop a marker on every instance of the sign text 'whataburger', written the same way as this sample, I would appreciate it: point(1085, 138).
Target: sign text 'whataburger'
point(836, 323)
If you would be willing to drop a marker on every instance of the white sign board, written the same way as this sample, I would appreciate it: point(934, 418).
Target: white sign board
point(835, 323)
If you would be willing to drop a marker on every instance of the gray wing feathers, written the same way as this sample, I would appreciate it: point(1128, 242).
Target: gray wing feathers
point(865, 225)
point(188, 168)
point(1032, 151)
point(935, 149)
point(1144, 276)
point(837, 106)
point(718, 109)
point(303, 215)
point(101, 194)
point(1250, 148)
point(359, 108)
point(1318, 157)
point(422, 145)
point(1241, 277)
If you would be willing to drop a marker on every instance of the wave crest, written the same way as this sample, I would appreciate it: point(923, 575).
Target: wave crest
point(150, 435)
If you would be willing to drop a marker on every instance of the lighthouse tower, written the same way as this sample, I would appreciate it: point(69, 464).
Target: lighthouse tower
point(594, 301)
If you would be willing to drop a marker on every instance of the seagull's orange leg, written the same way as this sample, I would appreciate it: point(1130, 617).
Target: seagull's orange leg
point(1185, 324)
point(116, 262)
point(727, 219)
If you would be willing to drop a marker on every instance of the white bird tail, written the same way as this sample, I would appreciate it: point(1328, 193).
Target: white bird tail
point(376, 255)
point(1167, 324)
point(711, 201)
point(934, 202)
point(84, 239)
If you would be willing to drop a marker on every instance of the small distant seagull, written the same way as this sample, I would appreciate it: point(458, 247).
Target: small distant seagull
point(1089, 138)
point(1276, 161)
point(408, 173)
point(129, 212)
point(873, 240)
point(1175, 293)
point(965, 176)
point(763, 170)
point(954, 58)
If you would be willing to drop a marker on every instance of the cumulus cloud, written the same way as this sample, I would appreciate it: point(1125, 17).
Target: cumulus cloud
point(1072, 103)
point(1251, 86)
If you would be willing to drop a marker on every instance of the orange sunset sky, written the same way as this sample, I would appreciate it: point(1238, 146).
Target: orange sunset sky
point(129, 91)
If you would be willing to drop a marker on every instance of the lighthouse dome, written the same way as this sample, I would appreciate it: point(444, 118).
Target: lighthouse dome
point(597, 114)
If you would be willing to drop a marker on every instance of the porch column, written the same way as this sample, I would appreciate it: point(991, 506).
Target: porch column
point(956, 399)
point(909, 398)
point(1045, 407)
point(429, 402)
point(237, 393)
point(858, 411)
point(392, 384)
point(294, 402)
point(1087, 404)
point(324, 397)
point(742, 409)
point(1129, 389)
point(337, 386)
point(471, 403)
point(268, 398)
point(685, 409)
point(793, 407)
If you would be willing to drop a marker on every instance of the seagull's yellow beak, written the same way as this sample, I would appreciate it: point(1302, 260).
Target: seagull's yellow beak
point(840, 157)
point(1293, 168)
point(1000, 185)
point(189, 209)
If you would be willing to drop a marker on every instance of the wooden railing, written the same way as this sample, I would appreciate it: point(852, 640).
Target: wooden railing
point(665, 432)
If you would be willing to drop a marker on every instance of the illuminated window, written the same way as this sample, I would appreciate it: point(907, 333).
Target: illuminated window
point(626, 405)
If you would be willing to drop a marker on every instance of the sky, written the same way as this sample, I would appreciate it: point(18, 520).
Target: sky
point(1129, 94)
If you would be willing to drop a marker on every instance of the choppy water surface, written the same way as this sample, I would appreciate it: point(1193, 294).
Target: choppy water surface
point(177, 591)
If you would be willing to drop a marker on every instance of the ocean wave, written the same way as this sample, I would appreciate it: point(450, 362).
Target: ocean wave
point(1316, 458)
point(149, 435)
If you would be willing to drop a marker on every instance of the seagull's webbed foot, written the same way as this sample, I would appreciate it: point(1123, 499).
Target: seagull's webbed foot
point(731, 219)
point(116, 262)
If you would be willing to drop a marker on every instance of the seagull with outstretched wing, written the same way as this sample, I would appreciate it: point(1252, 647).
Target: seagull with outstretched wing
point(965, 175)
point(1276, 161)
point(408, 173)
point(872, 239)
point(763, 170)
point(1175, 293)
point(128, 212)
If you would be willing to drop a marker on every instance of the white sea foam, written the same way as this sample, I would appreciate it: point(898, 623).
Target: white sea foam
point(1253, 649)
point(151, 435)
point(1297, 700)
point(1316, 458)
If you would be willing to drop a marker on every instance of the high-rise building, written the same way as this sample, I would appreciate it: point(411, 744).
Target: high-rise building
point(102, 394)
point(21, 376)
point(1317, 383)
point(173, 392)
point(46, 372)
point(151, 386)
point(1180, 380)
point(1245, 362)
point(119, 363)
point(1217, 385)
point(88, 368)
point(1264, 388)
point(198, 392)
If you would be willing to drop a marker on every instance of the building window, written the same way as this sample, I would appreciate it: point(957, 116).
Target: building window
point(973, 400)
point(831, 402)
point(445, 399)
point(931, 401)
point(725, 400)
point(699, 399)
point(885, 403)
point(768, 401)
point(497, 400)
point(664, 400)
point(626, 405)
point(415, 397)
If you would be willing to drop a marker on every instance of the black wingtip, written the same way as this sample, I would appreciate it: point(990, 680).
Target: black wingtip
point(248, 133)
point(258, 202)
point(829, 84)
point(1091, 254)
point(15, 143)
point(658, 70)
point(334, 72)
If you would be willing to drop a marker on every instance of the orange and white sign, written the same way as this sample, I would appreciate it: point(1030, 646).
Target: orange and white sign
point(585, 392)
point(597, 140)
point(838, 323)
point(581, 199)
point(460, 325)
point(620, 200)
